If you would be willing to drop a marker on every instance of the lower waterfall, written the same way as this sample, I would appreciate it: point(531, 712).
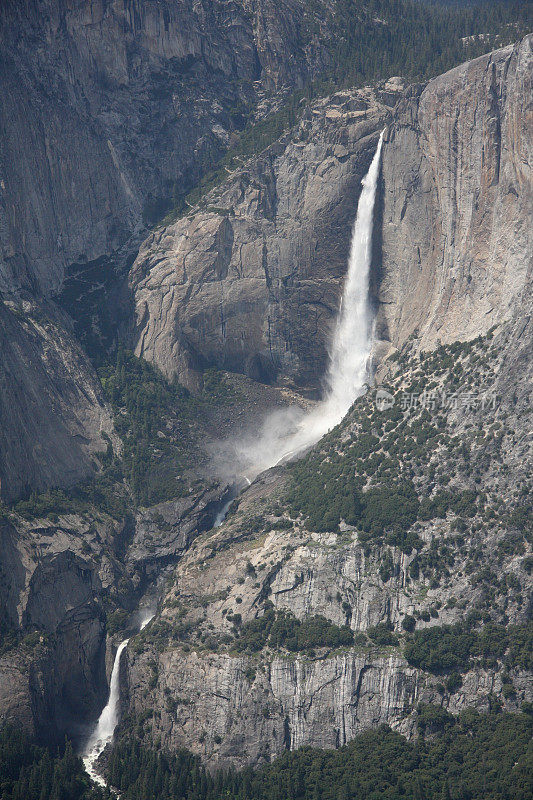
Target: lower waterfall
point(108, 719)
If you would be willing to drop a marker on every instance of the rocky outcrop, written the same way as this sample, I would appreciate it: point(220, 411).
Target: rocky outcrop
point(52, 413)
point(237, 711)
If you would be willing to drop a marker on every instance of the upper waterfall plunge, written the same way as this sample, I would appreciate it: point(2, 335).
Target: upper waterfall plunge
point(287, 433)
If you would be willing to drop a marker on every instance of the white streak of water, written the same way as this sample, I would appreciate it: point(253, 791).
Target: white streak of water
point(287, 433)
point(108, 719)
point(107, 722)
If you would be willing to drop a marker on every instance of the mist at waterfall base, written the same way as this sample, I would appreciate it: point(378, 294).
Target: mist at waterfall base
point(108, 719)
point(287, 432)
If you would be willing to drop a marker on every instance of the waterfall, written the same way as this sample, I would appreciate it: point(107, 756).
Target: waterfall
point(287, 433)
point(108, 719)
point(350, 352)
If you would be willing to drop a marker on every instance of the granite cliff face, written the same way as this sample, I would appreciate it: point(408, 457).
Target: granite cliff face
point(251, 282)
point(250, 279)
point(111, 109)
point(53, 579)
point(457, 203)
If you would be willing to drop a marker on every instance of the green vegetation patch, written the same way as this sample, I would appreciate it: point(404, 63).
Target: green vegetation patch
point(280, 629)
point(449, 648)
point(387, 472)
point(143, 400)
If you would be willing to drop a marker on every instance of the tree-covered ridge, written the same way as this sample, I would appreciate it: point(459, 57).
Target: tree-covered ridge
point(474, 756)
point(30, 772)
point(399, 37)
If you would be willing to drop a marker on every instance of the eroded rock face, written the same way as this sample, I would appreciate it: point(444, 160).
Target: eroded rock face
point(251, 282)
point(235, 711)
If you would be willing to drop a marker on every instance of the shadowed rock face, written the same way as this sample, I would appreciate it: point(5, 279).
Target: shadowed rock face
point(111, 109)
point(251, 281)
point(59, 671)
point(52, 413)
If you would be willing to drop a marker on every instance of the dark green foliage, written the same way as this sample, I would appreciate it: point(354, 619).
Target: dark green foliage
point(456, 648)
point(142, 399)
point(392, 508)
point(408, 623)
point(432, 718)
point(282, 630)
point(441, 648)
point(473, 756)
point(105, 492)
point(217, 389)
point(461, 503)
point(9, 636)
point(28, 772)
point(328, 492)
point(383, 635)
point(116, 621)
point(454, 682)
point(417, 41)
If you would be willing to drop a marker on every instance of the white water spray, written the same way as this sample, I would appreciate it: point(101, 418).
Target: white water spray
point(286, 433)
point(108, 719)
